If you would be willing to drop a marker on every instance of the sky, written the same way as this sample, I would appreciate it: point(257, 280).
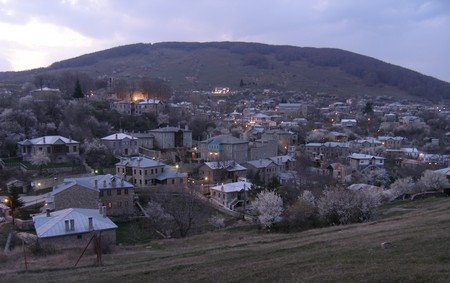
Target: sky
point(410, 33)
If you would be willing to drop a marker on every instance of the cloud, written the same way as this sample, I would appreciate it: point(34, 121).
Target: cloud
point(411, 33)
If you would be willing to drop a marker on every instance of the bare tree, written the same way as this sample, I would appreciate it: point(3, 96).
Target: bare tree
point(177, 210)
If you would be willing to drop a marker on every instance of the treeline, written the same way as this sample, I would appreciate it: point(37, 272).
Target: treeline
point(371, 71)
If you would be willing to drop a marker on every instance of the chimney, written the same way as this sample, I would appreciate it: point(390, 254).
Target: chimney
point(186, 128)
point(44, 140)
point(66, 225)
point(122, 181)
point(116, 137)
point(72, 224)
point(91, 224)
point(104, 183)
point(95, 183)
point(48, 212)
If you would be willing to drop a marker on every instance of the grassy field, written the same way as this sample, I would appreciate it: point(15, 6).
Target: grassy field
point(419, 232)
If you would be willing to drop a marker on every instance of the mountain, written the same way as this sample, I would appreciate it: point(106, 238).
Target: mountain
point(203, 66)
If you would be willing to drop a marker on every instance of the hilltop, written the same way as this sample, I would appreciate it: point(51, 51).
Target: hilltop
point(203, 66)
point(417, 230)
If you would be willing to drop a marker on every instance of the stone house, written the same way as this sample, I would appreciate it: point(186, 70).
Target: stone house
point(231, 195)
point(172, 137)
point(124, 106)
point(140, 171)
point(73, 228)
point(266, 169)
point(361, 162)
point(283, 138)
point(224, 147)
point(391, 142)
point(59, 149)
point(149, 105)
point(221, 171)
point(94, 191)
point(330, 151)
point(123, 144)
point(262, 149)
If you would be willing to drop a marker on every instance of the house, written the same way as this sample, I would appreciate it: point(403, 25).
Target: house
point(123, 144)
point(361, 162)
point(224, 147)
point(260, 148)
point(368, 145)
point(284, 138)
point(123, 106)
point(172, 178)
point(89, 192)
point(327, 150)
point(221, 171)
point(284, 162)
point(391, 142)
point(59, 149)
point(148, 105)
point(338, 137)
point(140, 171)
point(172, 137)
point(73, 228)
point(340, 172)
point(264, 169)
point(231, 195)
point(349, 123)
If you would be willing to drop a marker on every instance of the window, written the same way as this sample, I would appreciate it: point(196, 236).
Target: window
point(74, 148)
point(101, 193)
point(140, 172)
point(156, 171)
point(108, 192)
point(140, 182)
point(151, 171)
point(173, 181)
point(79, 236)
point(126, 203)
point(145, 172)
point(134, 171)
point(119, 192)
point(48, 150)
point(119, 204)
point(126, 192)
point(118, 170)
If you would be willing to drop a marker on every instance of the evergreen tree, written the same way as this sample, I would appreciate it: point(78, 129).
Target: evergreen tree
point(78, 92)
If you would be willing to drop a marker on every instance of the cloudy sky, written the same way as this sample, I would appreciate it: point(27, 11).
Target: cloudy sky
point(411, 33)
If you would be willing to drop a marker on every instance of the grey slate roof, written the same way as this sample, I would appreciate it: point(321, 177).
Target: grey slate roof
point(46, 140)
point(54, 225)
point(141, 162)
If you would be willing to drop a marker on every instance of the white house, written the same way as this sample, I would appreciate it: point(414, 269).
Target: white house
point(231, 195)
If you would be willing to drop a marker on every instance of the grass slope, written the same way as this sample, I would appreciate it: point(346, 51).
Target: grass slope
point(419, 231)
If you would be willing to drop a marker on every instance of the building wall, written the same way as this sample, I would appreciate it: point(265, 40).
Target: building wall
point(76, 197)
point(80, 240)
point(118, 201)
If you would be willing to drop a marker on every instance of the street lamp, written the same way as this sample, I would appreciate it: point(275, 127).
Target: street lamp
point(10, 204)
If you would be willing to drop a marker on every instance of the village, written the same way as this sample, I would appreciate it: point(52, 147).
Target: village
point(220, 148)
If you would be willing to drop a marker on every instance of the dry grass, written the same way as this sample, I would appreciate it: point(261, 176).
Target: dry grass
point(352, 253)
